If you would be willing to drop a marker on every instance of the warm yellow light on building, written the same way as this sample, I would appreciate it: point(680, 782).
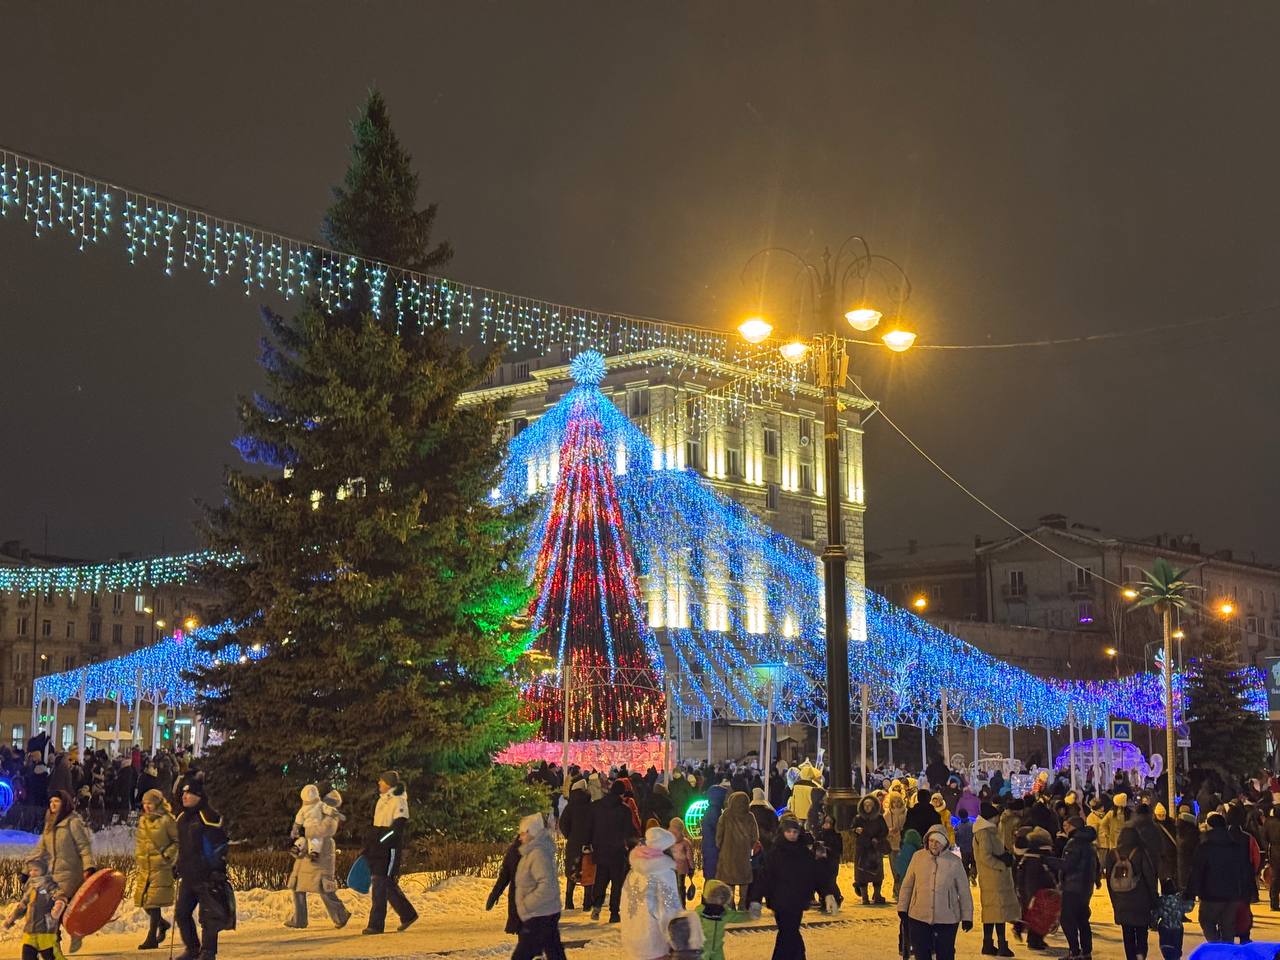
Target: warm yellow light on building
point(899, 340)
point(794, 351)
point(863, 318)
point(921, 603)
point(755, 329)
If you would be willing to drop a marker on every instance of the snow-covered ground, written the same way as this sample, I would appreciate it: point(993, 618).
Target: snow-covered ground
point(112, 841)
point(454, 924)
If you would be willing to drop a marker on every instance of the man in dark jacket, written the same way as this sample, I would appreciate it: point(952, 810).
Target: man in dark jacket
point(202, 870)
point(575, 827)
point(1152, 838)
point(659, 807)
point(1222, 878)
point(1080, 876)
point(1271, 848)
point(789, 880)
point(612, 830)
point(383, 849)
point(507, 881)
point(922, 816)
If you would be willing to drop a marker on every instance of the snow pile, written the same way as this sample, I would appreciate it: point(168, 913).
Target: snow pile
point(113, 841)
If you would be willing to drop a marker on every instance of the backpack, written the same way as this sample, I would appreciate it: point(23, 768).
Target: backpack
point(1124, 879)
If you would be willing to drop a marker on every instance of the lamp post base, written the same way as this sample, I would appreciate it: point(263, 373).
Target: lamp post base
point(843, 807)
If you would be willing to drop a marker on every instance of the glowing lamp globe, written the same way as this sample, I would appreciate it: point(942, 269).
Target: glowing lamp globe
point(693, 817)
point(899, 340)
point(755, 329)
point(587, 368)
point(794, 351)
point(863, 318)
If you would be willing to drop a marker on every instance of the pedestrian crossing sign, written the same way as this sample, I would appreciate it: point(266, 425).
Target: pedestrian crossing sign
point(1122, 730)
point(890, 730)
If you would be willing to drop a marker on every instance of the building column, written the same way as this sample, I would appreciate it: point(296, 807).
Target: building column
point(80, 715)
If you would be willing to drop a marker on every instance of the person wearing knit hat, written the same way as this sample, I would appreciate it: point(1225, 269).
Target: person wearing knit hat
point(939, 806)
point(537, 891)
point(716, 914)
point(154, 887)
point(575, 826)
point(383, 852)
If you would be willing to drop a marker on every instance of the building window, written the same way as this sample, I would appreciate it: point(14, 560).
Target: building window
point(935, 594)
point(1084, 578)
point(806, 431)
point(771, 497)
point(519, 425)
point(1085, 612)
point(117, 603)
point(117, 633)
point(770, 442)
point(71, 630)
point(1275, 628)
point(638, 402)
point(18, 735)
point(806, 476)
point(68, 735)
point(522, 370)
point(1251, 624)
point(138, 636)
point(806, 525)
point(733, 462)
point(694, 734)
point(68, 662)
point(24, 695)
point(1017, 583)
point(46, 628)
point(95, 631)
point(139, 603)
point(24, 624)
point(94, 602)
point(19, 664)
point(48, 597)
point(693, 454)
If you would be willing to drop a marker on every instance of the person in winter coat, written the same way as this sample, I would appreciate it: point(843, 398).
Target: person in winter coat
point(944, 817)
point(537, 893)
point(935, 898)
point(996, 888)
point(788, 883)
point(831, 843)
point(969, 804)
point(682, 854)
point(630, 801)
point(736, 840)
point(202, 869)
point(382, 851)
point(898, 863)
point(716, 914)
point(316, 857)
point(155, 852)
point(964, 843)
point(575, 827)
point(1168, 865)
point(895, 816)
point(651, 902)
point(778, 786)
point(1113, 821)
point(66, 846)
point(871, 840)
point(716, 797)
point(61, 778)
point(681, 794)
point(1033, 875)
point(1080, 876)
point(505, 881)
point(1134, 890)
point(766, 817)
point(1009, 823)
point(922, 816)
point(660, 807)
point(612, 833)
point(802, 793)
point(1271, 850)
point(1222, 878)
point(1188, 843)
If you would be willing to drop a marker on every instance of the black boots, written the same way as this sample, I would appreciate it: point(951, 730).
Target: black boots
point(157, 933)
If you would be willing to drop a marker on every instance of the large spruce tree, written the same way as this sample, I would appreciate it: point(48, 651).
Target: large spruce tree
point(379, 580)
point(1225, 734)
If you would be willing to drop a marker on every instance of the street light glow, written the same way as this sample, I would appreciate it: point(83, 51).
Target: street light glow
point(863, 318)
point(1226, 608)
point(794, 351)
point(1129, 593)
point(1112, 651)
point(755, 329)
point(899, 340)
point(921, 602)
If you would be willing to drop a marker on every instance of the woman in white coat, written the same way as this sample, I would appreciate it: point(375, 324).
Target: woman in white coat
point(935, 898)
point(651, 899)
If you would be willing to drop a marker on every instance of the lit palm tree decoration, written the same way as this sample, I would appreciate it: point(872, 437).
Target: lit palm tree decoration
point(1165, 590)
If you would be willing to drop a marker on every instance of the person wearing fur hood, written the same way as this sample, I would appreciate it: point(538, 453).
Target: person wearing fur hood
point(537, 893)
point(651, 901)
point(316, 855)
point(65, 844)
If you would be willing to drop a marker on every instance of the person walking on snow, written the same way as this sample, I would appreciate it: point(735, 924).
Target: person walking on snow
point(652, 901)
point(314, 869)
point(383, 852)
point(537, 893)
point(996, 888)
point(202, 870)
point(935, 898)
point(43, 905)
point(155, 852)
point(66, 846)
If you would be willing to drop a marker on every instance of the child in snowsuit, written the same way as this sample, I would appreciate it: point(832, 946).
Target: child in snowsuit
point(310, 814)
point(43, 905)
point(716, 914)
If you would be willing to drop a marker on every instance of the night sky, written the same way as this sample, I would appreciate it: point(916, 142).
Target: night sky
point(1042, 170)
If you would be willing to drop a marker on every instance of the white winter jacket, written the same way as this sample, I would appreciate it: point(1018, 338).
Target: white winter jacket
point(650, 899)
point(936, 889)
point(537, 882)
point(391, 807)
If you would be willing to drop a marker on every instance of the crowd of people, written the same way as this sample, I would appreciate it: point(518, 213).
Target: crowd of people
point(1036, 860)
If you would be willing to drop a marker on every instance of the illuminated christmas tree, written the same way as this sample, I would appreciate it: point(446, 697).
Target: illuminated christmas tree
point(587, 607)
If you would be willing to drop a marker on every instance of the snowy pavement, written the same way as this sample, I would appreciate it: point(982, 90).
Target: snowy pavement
point(455, 924)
